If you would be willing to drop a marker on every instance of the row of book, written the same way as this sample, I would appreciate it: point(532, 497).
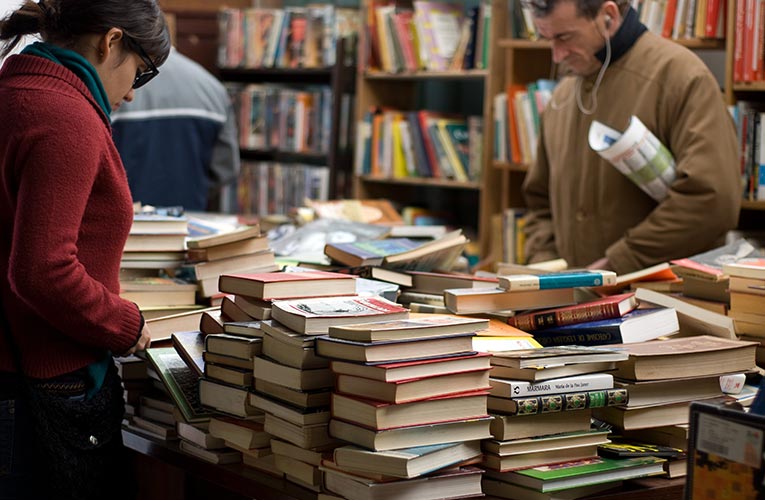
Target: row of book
point(265, 188)
point(274, 117)
point(675, 19)
point(516, 120)
point(396, 143)
point(748, 41)
point(292, 37)
point(748, 118)
point(435, 36)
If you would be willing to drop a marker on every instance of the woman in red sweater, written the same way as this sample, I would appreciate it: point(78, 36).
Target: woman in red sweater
point(65, 213)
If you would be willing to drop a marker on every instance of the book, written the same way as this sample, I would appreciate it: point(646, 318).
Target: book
point(291, 377)
point(199, 436)
point(550, 403)
point(226, 250)
point(180, 382)
point(638, 325)
point(189, 346)
point(513, 427)
point(249, 328)
point(709, 265)
point(535, 374)
point(546, 442)
point(216, 238)
point(626, 448)
point(506, 463)
point(484, 343)
point(368, 252)
point(304, 436)
point(674, 390)
point(246, 434)
point(228, 374)
point(433, 282)
point(404, 370)
point(281, 285)
point(753, 267)
point(585, 472)
point(152, 291)
point(420, 327)
point(725, 453)
point(444, 484)
point(163, 327)
point(393, 350)
point(153, 223)
point(379, 415)
point(479, 300)
point(303, 399)
point(214, 456)
point(233, 345)
point(554, 356)
point(312, 456)
point(608, 307)
point(411, 436)
point(253, 307)
point(407, 462)
point(315, 316)
point(228, 399)
point(562, 279)
point(643, 417)
point(693, 320)
point(404, 391)
point(686, 357)
point(199, 271)
point(209, 357)
point(292, 414)
point(520, 388)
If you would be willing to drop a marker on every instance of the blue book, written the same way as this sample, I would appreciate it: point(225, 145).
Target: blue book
point(564, 279)
point(368, 252)
point(639, 325)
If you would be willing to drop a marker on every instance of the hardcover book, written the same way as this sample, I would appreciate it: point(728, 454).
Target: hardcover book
point(639, 325)
point(607, 307)
point(520, 388)
point(563, 279)
point(314, 316)
point(394, 350)
point(552, 403)
point(369, 252)
point(392, 372)
point(481, 300)
point(281, 285)
point(180, 381)
point(555, 356)
point(433, 282)
point(413, 328)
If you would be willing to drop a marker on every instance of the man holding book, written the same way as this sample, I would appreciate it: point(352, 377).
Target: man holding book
point(581, 208)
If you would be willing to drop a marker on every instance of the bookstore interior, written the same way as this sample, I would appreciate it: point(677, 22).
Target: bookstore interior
point(299, 337)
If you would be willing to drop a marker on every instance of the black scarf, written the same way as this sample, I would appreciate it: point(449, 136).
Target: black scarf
point(624, 38)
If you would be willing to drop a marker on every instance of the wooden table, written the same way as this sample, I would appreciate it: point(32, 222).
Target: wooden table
point(166, 473)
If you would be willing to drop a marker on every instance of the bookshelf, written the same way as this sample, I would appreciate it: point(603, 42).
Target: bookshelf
point(466, 203)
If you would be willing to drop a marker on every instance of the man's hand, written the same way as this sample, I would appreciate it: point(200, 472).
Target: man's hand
point(144, 340)
point(600, 264)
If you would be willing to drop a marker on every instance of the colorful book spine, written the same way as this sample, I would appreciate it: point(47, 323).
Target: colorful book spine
point(580, 313)
point(555, 387)
point(571, 401)
point(516, 282)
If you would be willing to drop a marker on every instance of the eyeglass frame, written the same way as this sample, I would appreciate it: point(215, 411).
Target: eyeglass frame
point(143, 77)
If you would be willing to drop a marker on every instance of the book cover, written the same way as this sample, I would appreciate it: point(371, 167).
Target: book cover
point(553, 403)
point(638, 325)
point(608, 307)
point(519, 388)
point(190, 346)
point(555, 356)
point(419, 327)
point(369, 252)
point(391, 372)
point(565, 279)
point(180, 381)
point(627, 449)
point(393, 350)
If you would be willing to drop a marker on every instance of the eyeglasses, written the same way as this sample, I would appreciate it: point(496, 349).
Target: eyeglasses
point(143, 77)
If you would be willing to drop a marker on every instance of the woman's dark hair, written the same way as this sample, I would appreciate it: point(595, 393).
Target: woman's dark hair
point(63, 22)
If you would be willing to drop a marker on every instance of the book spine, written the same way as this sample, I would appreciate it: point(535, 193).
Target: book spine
point(594, 382)
point(541, 320)
point(571, 401)
point(589, 337)
point(561, 280)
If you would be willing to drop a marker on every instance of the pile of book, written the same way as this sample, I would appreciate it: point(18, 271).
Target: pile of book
point(747, 297)
point(410, 396)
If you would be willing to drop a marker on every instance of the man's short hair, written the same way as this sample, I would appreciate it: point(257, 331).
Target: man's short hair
point(584, 8)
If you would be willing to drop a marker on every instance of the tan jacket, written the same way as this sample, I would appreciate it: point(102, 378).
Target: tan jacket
point(581, 208)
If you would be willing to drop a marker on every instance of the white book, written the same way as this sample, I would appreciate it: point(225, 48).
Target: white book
point(520, 388)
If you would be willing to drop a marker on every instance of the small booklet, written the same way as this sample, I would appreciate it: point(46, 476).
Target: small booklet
point(638, 154)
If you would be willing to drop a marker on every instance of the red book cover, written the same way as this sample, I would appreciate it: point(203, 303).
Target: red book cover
point(669, 18)
point(748, 53)
point(608, 307)
point(713, 18)
point(512, 123)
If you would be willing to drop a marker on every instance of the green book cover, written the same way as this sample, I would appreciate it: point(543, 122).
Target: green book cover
point(588, 471)
point(180, 381)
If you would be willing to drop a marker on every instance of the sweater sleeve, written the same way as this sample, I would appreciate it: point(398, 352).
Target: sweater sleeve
point(704, 201)
point(540, 236)
point(60, 160)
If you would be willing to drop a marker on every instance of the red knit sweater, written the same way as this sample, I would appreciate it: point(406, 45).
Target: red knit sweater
point(65, 212)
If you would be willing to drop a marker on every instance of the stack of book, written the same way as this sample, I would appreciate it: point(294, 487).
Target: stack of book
point(241, 250)
point(747, 297)
point(663, 377)
point(426, 293)
point(410, 397)
point(155, 242)
point(159, 293)
point(559, 385)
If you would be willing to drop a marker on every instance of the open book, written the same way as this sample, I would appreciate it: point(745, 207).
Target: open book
point(636, 153)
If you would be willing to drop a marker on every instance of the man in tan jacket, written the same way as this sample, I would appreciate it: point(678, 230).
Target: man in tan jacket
point(581, 208)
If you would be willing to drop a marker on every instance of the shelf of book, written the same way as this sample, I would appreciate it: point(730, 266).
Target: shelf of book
point(427, 75)
point(758, 86)
point(421, 181)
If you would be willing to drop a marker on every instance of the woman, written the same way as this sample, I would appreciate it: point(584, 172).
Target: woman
point(65, 212)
